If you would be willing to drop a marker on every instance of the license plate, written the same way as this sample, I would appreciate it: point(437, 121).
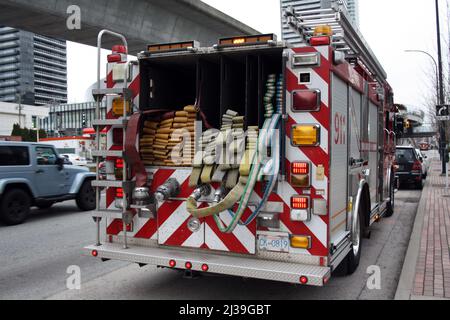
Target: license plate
point(273, 243)
point(401, 167)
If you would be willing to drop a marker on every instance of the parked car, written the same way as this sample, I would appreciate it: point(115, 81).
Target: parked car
point(76, 159)
point(425, 165)
point(409, 167)
point(67, 162)
point(33, 174)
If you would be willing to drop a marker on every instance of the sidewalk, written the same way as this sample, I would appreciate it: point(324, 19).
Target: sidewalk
point(426, 270)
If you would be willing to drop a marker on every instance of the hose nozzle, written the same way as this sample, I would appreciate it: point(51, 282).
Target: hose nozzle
point(168, 190)
point(202, 191)
point(218, 195)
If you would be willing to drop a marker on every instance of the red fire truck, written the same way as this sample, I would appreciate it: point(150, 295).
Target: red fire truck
point(249, 158)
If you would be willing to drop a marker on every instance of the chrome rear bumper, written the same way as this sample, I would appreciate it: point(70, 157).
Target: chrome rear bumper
point(218, 264)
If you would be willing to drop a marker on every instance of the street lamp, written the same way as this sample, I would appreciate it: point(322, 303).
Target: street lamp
point(436, 69)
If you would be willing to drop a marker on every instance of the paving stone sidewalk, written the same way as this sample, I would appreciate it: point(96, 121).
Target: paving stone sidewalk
point(426, 273)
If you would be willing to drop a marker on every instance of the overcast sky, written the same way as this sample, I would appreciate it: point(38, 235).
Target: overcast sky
point(389, 26)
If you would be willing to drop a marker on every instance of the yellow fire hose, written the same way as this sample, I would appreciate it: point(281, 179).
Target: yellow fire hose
point(241, 193)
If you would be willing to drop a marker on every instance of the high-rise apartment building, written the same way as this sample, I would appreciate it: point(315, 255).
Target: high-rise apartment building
point(306, 5)
point(33, 68)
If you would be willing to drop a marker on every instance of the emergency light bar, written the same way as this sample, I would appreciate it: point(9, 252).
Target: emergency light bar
point(247, 40)
point(176, 46)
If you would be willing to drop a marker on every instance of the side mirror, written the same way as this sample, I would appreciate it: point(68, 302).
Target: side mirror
point(60, 163)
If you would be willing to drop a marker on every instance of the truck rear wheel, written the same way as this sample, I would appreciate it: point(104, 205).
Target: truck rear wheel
point(354, 256)
point(86, 197)
point(391, 204)
point(15, 207)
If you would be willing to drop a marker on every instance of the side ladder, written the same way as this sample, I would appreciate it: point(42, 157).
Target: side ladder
point(99, 124)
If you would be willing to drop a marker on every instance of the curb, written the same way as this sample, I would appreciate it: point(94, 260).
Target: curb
point(406, 281)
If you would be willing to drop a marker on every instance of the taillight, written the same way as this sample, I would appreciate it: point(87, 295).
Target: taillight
point(119, 193)
point(118, 169)
point(119, 163)
point(303, 280)
point(417, 166)
point(300, 208)
point(188, 265)
point(114, 58)
point(119, 49)
point(300, 168)
point(306, 100)
point(205, 268)
point(119, 54)
point(172, 263)
point(94, 253)
point(300, 177)
point(300, 203)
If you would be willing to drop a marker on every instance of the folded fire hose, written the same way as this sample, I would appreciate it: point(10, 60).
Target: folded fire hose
point(244, 189)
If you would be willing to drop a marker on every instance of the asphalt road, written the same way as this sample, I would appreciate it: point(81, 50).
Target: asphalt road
point(35, 257)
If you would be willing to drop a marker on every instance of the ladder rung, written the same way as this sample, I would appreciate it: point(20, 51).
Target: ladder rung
point(106, 153)
point(125, 92)
point(110, 122)
point(107, 184)
point(110, 214)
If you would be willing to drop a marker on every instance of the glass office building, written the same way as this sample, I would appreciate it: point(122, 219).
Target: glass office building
point(33, 68)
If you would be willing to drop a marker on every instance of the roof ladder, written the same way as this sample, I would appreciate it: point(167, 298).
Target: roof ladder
point(346, 37)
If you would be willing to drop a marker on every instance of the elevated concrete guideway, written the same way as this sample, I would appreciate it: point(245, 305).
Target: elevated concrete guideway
point(141, 21)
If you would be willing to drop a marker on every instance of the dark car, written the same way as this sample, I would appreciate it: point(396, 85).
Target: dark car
point(410, 167)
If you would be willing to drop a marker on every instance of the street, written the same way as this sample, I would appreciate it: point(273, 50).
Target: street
point(35, 257)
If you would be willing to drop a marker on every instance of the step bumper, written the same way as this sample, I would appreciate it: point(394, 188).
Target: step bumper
point(217, 264)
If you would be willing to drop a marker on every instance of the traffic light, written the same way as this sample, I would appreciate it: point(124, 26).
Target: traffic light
point(84, 120)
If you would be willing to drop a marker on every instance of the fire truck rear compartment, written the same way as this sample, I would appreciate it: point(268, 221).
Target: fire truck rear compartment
point(217, 81)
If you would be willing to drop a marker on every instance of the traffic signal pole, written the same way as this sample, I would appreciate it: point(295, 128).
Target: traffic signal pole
point(443, 142)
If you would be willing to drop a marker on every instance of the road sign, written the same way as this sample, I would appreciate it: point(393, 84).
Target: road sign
point(443, 110)
point(443, 118)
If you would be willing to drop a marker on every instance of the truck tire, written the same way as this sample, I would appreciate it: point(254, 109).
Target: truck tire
point(15, 207)
point(86, 197)
point(391, 204)
point(354, 256)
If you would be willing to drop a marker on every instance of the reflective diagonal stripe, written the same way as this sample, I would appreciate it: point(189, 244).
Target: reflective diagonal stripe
point(242, 233)
point(231, 242)
point(214, 241)
point(316, 83)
